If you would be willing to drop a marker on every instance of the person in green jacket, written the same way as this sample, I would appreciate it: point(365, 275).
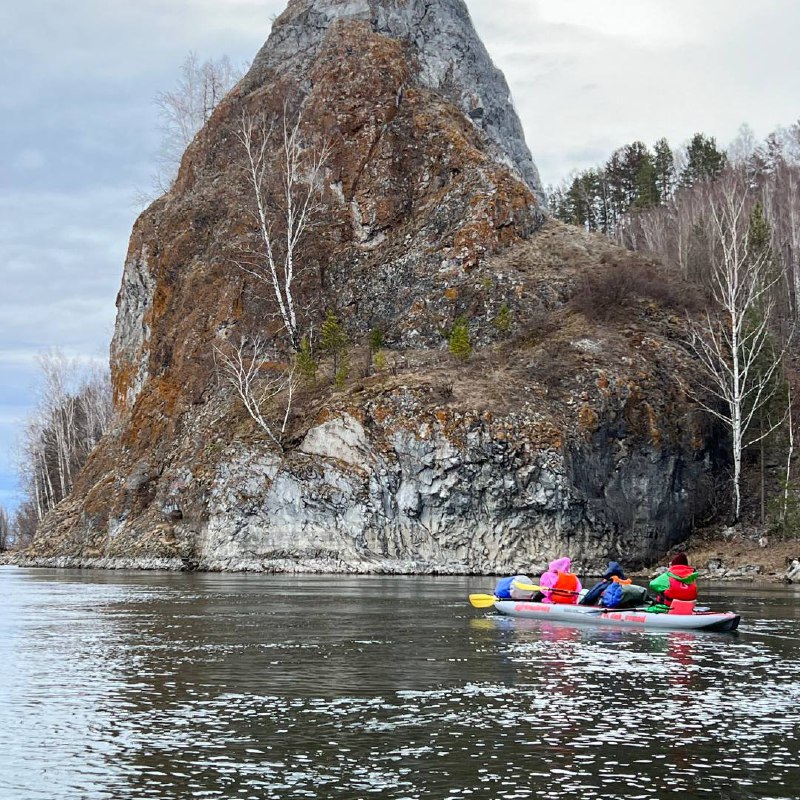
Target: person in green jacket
point(677, 583)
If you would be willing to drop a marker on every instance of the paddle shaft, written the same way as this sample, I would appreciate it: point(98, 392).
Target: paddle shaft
point(488, 600)
point(530, 587)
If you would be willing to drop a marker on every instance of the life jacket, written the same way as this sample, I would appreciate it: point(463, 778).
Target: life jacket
point(682, 584)
point(566, 582)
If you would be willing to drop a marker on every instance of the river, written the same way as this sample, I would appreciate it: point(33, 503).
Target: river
point(156, 685)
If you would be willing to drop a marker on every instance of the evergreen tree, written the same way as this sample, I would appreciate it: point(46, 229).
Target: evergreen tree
point(341, 369)
point(556, 202)
point(334, 342)
point(704, 160)
point(635, 160)
point(459, 343)
point(759, 232)
point(305, 362)
point(619, 185)
point(584, 203)
point(503, 320)
point(375, 340)
point(664, 168)
point(576, 204)
point(771, 153)
point(645, 182)
point(379, 359)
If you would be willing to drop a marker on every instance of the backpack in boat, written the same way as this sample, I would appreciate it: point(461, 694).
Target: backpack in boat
point(505, 589)
point(620, 595)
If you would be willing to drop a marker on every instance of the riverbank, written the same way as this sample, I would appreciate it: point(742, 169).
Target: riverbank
point(743, 554)
point(729, 555)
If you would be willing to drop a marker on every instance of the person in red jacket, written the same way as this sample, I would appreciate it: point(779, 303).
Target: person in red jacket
point(677, 583)
point(559, 585)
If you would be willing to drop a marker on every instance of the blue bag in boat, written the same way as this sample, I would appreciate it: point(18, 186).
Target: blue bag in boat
point(505, 589)
point(612, 596)
point(620, 595)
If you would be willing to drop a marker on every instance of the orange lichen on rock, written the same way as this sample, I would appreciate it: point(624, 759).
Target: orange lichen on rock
point(587, 419)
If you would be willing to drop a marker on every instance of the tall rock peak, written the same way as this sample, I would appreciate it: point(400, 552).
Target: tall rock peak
point(549, 439)
point(451, 59)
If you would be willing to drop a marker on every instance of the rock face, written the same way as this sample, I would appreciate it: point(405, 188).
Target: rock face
point(559, 435)
point(448, 492)
point(448, 57)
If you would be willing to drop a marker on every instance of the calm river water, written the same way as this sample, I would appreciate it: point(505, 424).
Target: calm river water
point(137, 685)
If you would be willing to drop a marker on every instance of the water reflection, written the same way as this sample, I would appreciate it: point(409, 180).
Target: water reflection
point(137, 686)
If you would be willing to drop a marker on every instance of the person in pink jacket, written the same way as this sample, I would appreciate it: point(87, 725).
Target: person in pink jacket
point(558, 576)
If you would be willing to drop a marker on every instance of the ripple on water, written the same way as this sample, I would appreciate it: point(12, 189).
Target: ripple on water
point(157, 693)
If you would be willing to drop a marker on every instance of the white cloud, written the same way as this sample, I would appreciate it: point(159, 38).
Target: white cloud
point(588, 76)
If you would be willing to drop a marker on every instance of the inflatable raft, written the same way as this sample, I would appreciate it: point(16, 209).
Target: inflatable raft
point(631, 618)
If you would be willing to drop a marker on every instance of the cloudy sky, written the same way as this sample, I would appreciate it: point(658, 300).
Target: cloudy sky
point(79, 128)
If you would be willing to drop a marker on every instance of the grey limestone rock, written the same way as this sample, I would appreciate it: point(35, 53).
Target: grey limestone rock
point(404, 502)
point(131, 340)
point(451, 58)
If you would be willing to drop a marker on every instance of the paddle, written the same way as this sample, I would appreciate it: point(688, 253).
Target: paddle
point(529, 587)
point(482, 600)
point(488, 600)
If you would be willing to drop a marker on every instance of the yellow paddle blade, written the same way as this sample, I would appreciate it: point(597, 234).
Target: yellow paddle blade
point(482, 600)
point(528, 587)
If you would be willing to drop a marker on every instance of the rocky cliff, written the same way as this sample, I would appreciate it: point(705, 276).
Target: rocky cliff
point(564, 432)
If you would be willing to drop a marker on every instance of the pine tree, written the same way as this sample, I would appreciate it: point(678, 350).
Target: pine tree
point(556, 202)
point(334, 342)
point(503, 320)
point(375, 340)
point(305, 362)
point(772, 153)
point(759, 232)
point(634, 159)
point(704, 160)
point(616, 174)
point(342, 369)
point(459, 343)
point(379, 359)
point(576, 203)
point(664, 168)
point(645, 181)
point(584, 202)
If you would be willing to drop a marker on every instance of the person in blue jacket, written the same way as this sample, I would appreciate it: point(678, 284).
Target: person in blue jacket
point(592, 597)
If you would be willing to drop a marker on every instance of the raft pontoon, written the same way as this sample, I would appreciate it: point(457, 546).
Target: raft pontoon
point(621, 618)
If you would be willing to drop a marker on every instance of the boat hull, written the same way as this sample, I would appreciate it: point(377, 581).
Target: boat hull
point(632, 618)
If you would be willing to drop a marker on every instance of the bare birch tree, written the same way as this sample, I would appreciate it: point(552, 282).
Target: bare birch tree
point(259, 382)
point(287, 196)
point(185, 109)
point(780, 195)
point(74, 411)
point(5, 530)
point(789, 454)
point(733, 341)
